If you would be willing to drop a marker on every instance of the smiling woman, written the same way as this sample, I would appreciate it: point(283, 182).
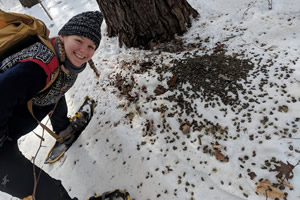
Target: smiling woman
point(78, 49)
point(23, 77)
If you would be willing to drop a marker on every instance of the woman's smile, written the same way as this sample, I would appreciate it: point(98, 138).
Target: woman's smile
point(78, 49)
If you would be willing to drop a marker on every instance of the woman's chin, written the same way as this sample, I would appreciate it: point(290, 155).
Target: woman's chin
point(76, 63)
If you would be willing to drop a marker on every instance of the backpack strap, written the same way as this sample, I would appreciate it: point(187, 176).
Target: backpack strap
point(59, 139)
point(29, 106)
point(51, 81)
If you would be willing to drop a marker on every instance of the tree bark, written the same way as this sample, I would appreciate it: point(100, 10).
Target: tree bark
point(142, 23)
point(29, 3)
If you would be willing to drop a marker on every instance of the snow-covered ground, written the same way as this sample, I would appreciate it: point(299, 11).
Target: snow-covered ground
point(139, 146)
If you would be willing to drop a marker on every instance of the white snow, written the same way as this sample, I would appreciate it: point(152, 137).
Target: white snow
point(115, 152)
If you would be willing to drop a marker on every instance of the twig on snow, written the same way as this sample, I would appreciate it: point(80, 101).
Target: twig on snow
point(249, 8)
point(270, 6)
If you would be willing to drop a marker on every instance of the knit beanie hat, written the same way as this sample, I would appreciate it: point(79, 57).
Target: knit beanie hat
point(86, 24)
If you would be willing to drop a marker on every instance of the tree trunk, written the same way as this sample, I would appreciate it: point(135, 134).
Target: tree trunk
point(29, 3)
point(142, 23)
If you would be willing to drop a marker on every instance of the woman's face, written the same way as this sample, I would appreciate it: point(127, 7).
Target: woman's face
point(78, 49)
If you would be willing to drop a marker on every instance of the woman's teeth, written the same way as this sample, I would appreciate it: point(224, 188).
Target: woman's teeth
point(79, 56)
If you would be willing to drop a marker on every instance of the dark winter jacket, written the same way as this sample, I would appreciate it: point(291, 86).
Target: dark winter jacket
point(24, 74)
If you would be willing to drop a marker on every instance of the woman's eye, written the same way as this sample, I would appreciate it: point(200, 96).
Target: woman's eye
point(79, 41)
point(91, 47)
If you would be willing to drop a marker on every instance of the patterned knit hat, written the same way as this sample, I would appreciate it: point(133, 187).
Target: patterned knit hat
point(87, 24)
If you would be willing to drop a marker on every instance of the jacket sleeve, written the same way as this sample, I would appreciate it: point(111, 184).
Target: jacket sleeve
point(18, 84)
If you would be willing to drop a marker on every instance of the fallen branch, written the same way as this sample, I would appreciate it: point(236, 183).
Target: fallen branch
point(45, 10)
point(249, 8)
point(297, 80)
point(270, 6)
